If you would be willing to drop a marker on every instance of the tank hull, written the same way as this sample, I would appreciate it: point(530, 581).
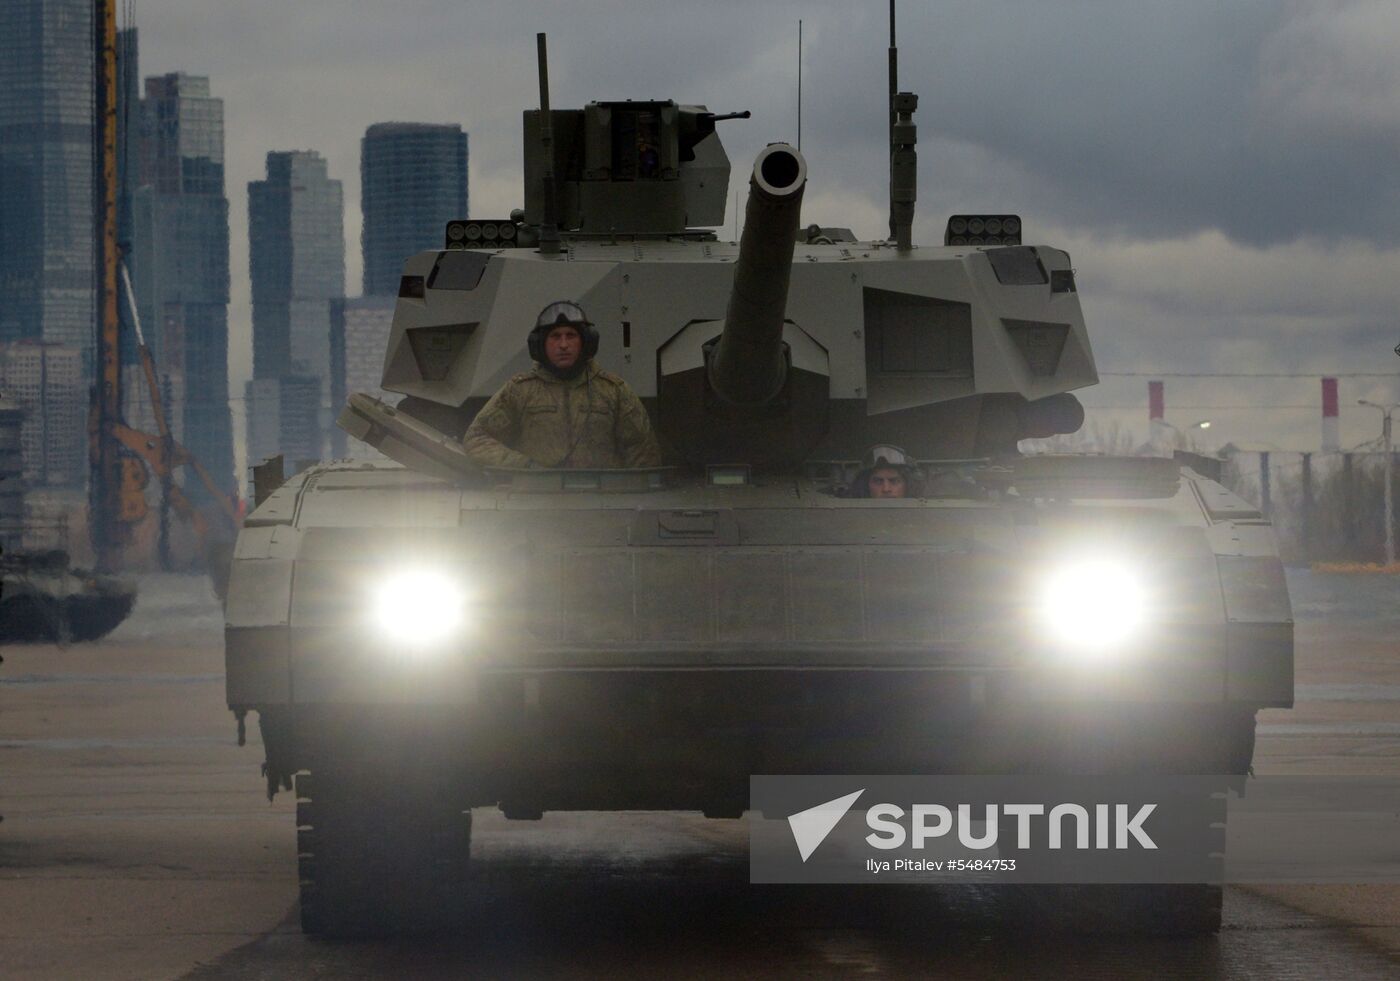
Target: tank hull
point(781, 630)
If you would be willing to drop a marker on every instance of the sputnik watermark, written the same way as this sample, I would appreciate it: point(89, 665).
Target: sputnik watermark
point(1020, 829)
point(1042, 828)
point(810, 827)
point(1112, 825)
point(887, 831)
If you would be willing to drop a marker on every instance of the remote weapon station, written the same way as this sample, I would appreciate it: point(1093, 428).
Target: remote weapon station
point(422, 638)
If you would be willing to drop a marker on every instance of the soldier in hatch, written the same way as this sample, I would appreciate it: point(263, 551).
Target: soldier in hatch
point(887, 473)
point(568, 412)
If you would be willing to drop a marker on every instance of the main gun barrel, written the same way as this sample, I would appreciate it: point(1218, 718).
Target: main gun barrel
point(747, 365)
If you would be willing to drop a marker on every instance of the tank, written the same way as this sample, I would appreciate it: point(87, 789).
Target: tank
point(42, 597)
point(421, 638)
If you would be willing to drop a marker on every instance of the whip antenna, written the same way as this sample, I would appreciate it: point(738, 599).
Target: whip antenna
point(904, 162)
point(549, 220)
point(894, 87)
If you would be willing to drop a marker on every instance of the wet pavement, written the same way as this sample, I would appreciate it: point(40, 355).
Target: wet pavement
point(138, 844)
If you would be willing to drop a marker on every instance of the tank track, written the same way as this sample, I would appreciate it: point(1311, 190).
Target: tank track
point(379, 858)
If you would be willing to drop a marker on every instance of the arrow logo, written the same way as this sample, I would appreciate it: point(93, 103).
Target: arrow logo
point(810, 827)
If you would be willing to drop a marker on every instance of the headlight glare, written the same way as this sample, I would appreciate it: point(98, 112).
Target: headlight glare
point(419, 607)
point(1093, 605)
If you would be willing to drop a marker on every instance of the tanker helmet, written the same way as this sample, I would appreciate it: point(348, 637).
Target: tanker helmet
point(557, 314)
point(885, 455)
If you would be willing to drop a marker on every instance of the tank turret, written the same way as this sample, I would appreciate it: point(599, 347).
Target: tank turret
point(794, 344)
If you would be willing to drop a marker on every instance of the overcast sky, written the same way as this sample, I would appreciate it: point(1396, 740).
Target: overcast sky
point(1226, 176)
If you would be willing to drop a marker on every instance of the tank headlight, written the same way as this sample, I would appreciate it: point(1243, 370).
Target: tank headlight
point(1093, 605)
point(419, 607)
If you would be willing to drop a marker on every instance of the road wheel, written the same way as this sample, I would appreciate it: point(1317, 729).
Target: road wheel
point(378, 860)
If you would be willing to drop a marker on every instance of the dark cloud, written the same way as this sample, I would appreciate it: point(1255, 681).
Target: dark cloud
point(1157, 120)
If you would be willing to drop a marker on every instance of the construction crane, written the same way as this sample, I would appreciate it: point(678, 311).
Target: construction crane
point(109, 528)
point(120, 455)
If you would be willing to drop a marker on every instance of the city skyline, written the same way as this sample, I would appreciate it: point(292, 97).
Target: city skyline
point(173, 226)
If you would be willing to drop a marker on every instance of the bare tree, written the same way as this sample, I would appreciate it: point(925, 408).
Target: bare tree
point(1347, 520)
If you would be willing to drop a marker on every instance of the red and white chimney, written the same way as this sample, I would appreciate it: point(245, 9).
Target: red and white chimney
point(1156, 411)
point(1331, 437)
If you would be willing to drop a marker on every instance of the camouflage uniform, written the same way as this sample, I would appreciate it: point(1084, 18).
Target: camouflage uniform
point(534, 420)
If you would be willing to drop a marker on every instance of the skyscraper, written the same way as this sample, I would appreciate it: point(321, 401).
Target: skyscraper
point(285, 417)
point(46, 203)
point(181, 260)
point(296, 245)
point(359, 337)
point(46, 381)
point(413, 181)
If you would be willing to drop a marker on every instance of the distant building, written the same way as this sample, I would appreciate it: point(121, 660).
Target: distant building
point(47, 259)
point(46, 381)
point(181, 261)
point(296, 245)
point(359, 338)
point(285, 416)
point(301, 431)
point(413, 181)
point(46, 203)
point(262, 400)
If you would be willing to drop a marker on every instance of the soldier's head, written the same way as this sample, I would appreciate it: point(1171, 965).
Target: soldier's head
point(563, 340)
point(887, 472)
point(886, 482)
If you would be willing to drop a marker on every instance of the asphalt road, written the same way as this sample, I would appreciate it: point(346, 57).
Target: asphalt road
point(137, 843)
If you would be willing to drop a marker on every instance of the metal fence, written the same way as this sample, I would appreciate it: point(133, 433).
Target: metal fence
point(1325, 506)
